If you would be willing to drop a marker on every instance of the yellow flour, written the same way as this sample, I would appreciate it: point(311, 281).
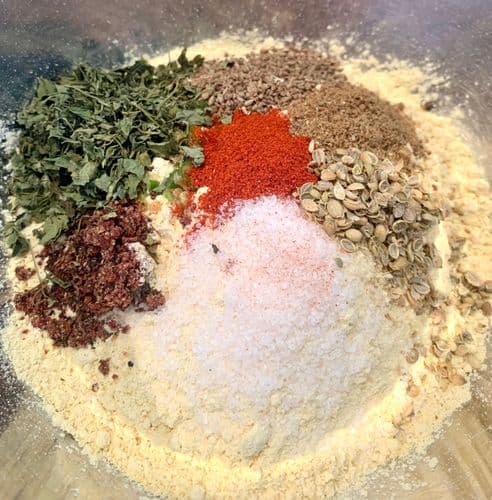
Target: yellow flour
point(119, 420)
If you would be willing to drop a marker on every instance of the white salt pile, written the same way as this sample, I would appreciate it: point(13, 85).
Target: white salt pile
point(266, 344)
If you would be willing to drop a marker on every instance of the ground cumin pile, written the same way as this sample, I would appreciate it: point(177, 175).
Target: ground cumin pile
point(346, 115)
point(260, 81)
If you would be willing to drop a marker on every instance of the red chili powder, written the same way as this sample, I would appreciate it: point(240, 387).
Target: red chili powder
point(255, 155)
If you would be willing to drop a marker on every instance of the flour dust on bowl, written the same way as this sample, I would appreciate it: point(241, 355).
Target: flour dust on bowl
point(234, 282)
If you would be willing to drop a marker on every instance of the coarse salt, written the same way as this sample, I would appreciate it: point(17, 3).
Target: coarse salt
point(265, 345)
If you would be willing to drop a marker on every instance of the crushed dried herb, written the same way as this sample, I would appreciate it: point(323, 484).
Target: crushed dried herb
point(88, 138)
point(104, 366)
point(22, 273)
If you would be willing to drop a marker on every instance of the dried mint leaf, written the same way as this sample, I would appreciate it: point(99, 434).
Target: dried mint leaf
point(195, 153)
point(153, 184)
point(52, 228)
point(89, 138)
point(14, 240)
point(176, 180)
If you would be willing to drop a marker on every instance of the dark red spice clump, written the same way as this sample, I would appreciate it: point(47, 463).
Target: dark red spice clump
point(104, 366)
point(23, 273)
point(92, 271)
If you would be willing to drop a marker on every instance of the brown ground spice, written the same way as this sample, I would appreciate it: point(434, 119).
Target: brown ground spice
point(345, 115)
point(260, 81)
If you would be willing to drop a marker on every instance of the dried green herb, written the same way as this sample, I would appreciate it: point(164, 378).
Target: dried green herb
point(89, 138)
point(195, 154)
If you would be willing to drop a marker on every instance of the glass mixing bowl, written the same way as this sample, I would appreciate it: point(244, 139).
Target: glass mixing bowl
point(41, 37)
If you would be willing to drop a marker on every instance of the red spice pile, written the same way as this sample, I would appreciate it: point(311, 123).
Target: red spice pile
point(92, 272)
point(255, 155)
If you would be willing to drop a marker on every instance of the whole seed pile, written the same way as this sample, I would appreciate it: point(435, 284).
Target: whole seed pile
point(365, 201)
point(260, 81)
point(474, 292)
point(344, 115)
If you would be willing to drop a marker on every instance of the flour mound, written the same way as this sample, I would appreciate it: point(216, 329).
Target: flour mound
point(265, 344)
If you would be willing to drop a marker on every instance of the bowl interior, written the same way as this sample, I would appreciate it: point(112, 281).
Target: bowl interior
point(39, 461)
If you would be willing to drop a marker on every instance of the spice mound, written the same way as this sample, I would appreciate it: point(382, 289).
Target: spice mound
point(260, 81)
point(346, 115)
point(255, 155)
point(365, 201)
point(93, 271)
point(255, 302)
